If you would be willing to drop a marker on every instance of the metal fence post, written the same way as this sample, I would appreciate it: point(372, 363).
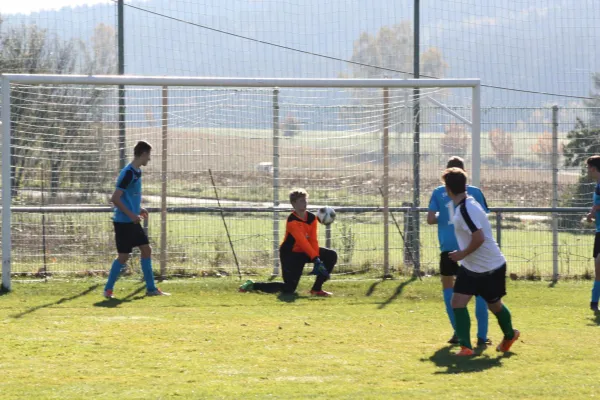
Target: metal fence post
point(499, 229)
point(275, 182)
point(554, 193)
point(163, 175)
point(386, 169)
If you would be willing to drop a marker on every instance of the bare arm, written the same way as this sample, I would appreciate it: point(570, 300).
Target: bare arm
point(116, 200)
point(431, 218)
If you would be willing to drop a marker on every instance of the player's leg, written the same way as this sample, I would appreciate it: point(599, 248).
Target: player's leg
point(493, 288)
point(464, 288)
point(596, 287)
point(140, 239)
point(448, 269)
point(269, 287)
point(481, 313)
point(293, 272)
point(124, 247)
point(329, 258)
point(290, 265)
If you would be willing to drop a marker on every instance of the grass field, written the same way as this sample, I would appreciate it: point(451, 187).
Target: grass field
point(372, 340)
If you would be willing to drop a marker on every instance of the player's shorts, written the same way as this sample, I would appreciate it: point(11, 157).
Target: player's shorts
point(447, 266)
point(489, 285)
point(597, 245)
point(129, 235)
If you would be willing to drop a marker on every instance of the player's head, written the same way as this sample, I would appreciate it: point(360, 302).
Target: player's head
point(299, 199)
point(456, 162)
point(593, 166)
point(141, 152)
point(455, 180)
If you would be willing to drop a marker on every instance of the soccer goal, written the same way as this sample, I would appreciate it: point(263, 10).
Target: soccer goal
point(362, 146)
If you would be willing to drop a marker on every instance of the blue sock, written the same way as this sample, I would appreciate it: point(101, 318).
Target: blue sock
point(148, 274)
point(447, 300)
point(481, 312)
point(113, 275)
point(596, 292)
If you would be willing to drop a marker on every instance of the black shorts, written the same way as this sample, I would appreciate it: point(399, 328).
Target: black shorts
point(129, 235)
point(597, 245)
point(447, 266)
point(489, 285)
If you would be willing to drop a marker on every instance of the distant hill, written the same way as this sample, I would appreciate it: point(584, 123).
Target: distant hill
point(548, 46)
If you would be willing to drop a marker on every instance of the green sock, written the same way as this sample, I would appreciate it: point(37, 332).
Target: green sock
point(463, 326)
point(505, 323)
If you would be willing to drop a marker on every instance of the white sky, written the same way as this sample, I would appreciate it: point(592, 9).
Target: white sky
point(29, 6)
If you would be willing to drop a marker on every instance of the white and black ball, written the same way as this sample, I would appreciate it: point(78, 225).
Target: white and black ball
point(326, 215)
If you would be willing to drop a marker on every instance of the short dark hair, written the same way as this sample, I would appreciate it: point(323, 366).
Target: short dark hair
point(456, 162)
point(141, 147)
point(594, 161)
point(295, 194)
point(455, 180)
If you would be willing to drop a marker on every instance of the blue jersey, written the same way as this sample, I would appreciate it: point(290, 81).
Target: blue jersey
point(130, 183)
point(443, 205)
point(597, 203)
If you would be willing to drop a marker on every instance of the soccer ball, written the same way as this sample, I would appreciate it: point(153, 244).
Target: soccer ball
point(326, 215)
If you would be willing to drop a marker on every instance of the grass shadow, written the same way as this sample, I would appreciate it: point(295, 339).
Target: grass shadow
point(373, 287)
point(290, 297)
point(112, 303)
point(398, 292)
point(444, 358)
point(60, 301)
point(596, 319)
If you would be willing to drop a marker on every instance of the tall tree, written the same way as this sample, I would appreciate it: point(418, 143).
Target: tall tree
point(49, 125)
point(392, 49)
point(583, 141)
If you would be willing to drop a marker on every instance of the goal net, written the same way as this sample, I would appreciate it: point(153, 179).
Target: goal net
point(350, 143)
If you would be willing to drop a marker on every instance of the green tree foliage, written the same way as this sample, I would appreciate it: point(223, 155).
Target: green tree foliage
point(583, 142)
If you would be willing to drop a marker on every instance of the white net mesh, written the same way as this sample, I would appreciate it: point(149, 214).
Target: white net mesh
point(65, 152)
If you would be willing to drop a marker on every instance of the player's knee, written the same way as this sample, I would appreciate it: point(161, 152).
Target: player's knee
point(495, 307)
point(447, 282)
point(459, 301)
point(123, 258)
point(146, 251)
point(329, 257)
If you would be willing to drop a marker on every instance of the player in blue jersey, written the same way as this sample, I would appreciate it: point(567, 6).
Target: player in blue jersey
point(593, 167)
point(127, 218)
point(440, 212)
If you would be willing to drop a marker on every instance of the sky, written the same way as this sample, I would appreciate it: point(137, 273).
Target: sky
point(29, 6)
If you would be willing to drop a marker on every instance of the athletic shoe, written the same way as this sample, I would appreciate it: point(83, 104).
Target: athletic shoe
point(321, 293)
point(247, 286)
point(464, 352)
point(109, 294)
point(454, 339)
point(157, 292)
point(506, 343)
point(484, 342)
point(594, 306)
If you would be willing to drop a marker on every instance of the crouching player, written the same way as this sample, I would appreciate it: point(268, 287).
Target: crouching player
point(299, 246)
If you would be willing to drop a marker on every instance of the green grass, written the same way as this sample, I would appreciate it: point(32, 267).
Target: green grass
point(373, 340)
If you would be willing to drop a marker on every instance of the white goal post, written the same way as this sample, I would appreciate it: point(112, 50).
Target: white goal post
point(8, 80)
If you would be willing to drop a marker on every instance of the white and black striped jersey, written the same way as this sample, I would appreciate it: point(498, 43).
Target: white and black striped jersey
point(468, 218)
